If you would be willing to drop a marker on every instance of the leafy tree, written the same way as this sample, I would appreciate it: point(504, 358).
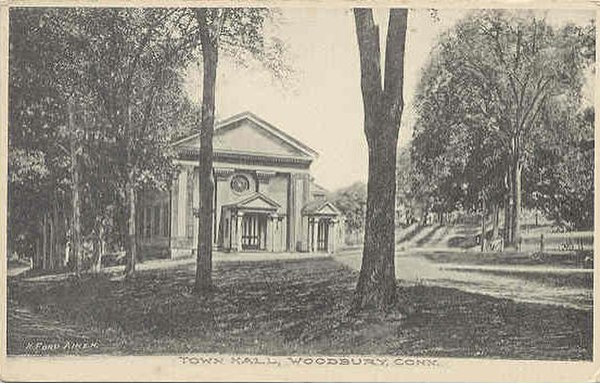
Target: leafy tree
point(46, 78)
point(383, 104)
point(559, 180)
point(488, 84)
point(113, 74)
point(238, 32)
point(351, 201)
point(404, 176)
point(134, 63)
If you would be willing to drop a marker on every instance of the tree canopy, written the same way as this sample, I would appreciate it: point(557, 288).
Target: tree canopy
point(119, 70)
point(497, 86)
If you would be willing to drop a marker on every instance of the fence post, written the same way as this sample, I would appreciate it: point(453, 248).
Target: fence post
point(542, 243)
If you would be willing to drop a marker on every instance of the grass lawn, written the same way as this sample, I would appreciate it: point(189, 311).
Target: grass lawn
point(282, 308)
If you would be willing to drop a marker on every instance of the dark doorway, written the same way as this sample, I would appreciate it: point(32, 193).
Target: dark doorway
point(322, 235)
point(254, 228)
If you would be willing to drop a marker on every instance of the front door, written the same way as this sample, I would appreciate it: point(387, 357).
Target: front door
point(322, 235)
point(254, 229)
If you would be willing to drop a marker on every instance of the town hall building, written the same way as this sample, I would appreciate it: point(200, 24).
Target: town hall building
point(264, 198)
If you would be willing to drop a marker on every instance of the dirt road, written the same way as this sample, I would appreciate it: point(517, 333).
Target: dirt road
point(415, 269)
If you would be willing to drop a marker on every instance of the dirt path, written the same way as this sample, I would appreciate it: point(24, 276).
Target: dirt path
point(415, 270)
point(160, 264)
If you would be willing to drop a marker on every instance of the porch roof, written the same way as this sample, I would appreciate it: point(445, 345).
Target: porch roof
point(255, 201)
point(320, 207)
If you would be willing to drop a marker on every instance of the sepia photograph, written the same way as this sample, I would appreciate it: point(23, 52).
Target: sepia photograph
point(299, 187)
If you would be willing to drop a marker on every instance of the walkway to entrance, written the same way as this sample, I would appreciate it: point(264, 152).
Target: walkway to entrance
point(264, 256)
point(254, 223)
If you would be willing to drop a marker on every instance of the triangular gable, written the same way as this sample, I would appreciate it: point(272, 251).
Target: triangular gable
point(257, 201)
point(320, 208)
point(247, 133)
point(328, 209)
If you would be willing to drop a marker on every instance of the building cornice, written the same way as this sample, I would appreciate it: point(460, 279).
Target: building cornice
point(247, 158)
point(223, 173)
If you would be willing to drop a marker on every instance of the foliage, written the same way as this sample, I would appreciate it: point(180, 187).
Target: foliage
point(351, 201)
point(487, 97)
point(560, 178)
point(239, 32)
point(108, 63)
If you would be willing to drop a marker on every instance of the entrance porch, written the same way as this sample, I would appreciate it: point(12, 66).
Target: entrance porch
point(253, 224)
point(322, 221)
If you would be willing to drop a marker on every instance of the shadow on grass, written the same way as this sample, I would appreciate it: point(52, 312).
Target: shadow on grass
point(285, 308)
point(462, 242)
point(411, 234)
point(427, 237)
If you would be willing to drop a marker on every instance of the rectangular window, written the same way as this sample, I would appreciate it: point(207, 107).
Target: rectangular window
point(140, 223)
point(148, 222)
point(156, 224)
point(166, 220)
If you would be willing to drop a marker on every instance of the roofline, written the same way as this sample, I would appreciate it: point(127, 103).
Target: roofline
point(319, 186)
point(285, 135)
point(249, 115)
point(254, 196)
point(321, 206)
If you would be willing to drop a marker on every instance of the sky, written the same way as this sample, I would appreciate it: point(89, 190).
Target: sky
point(321, 105)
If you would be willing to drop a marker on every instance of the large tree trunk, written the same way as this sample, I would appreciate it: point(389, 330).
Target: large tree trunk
point(516, 212)
point(495, 220)
point(51, 240)
point(45, 242)
point(131, 251)
point(75, 204)
point(56, 234)
point(98, 247)
point(508, 212)
point(376, 286)
point(483, 228)
point(37, 257)
point(210, 54)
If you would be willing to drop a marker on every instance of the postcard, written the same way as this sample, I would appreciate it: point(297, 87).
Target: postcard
point(298, 191)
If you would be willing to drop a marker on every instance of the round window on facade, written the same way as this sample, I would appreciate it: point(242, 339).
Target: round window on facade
point(240, 183)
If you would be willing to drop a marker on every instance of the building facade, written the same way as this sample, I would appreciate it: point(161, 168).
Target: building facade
point(264, 196)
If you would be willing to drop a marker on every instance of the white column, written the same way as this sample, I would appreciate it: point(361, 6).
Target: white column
point(182, 204)
point(238, 231)
point(309, 235)
point(282, 234)
point(314, 237)
point(195, 205)
point(270, 235)
point(331, 236)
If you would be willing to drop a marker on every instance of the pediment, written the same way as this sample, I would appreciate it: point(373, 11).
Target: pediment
point(248, 134)
point(320, 208)
point(328, 209)
point(256, 201)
